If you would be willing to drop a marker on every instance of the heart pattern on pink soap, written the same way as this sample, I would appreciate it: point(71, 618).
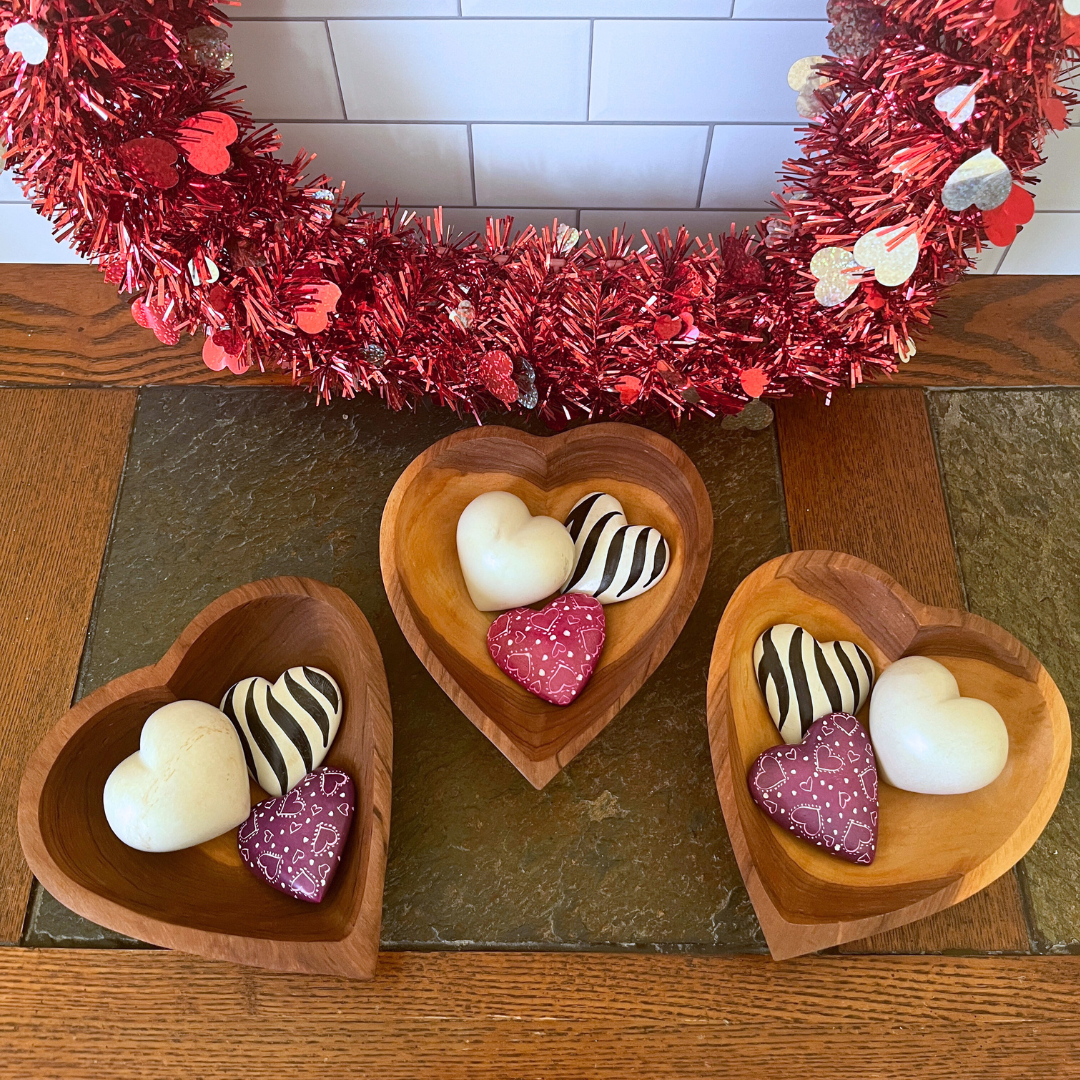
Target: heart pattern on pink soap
point(294, 843)
point(552, 653)
point(824, 789)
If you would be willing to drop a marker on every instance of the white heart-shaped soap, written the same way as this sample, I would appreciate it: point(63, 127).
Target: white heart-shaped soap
point(186, 784)
point(927, 737)
point(1072, 7)
point(27, 39)
point(508, 557)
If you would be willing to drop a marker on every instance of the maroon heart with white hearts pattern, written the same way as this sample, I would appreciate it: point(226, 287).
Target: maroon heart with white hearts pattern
point(294, 842)
point(824, 790)
point(553, 652)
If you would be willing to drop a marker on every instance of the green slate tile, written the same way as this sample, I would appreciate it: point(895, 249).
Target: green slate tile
point(626, 848)
point(1011, 463)
point(52, 925)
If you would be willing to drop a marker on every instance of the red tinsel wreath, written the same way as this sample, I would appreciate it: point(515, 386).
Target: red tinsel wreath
point(128, 136)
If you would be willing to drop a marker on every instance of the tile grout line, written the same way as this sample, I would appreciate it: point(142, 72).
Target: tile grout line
point(588, 88)
point(361, 122)
point(337, 77)
point(705, 165)
point(512, 18)
point(472, 163)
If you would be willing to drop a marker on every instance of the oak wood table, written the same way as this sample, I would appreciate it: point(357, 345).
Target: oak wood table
point(962, 993)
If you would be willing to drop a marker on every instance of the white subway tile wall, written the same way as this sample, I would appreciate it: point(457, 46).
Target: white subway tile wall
point(604, 113)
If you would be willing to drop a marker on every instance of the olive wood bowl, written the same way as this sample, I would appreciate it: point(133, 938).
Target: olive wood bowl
point(203, 899)
point(657, 485)
point(933, 850)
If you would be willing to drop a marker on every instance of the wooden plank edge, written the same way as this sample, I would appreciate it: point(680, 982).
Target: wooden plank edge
point(83, 1014)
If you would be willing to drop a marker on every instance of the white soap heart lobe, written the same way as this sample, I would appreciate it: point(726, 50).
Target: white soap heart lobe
point(928, 738)
point(186, 784)
point(508, 557)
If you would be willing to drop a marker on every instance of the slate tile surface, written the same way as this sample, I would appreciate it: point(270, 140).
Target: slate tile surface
point(626, 848)
point(1011, 465)
point(51, 924)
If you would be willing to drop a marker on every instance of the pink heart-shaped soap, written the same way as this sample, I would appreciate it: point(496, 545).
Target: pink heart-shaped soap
point(552, 652)
point(824, 789)
point(295, 842)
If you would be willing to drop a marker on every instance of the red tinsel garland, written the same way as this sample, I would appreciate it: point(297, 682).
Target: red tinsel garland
point(348, 300)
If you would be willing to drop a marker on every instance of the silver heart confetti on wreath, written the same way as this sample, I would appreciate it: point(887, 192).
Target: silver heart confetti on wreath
point(29, 41)
point(805, 79)
point(984, 180)
point(957, 104)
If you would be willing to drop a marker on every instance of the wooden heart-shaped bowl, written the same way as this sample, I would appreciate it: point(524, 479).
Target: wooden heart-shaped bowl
point(203, 899)
point(933, 850)
point(657, 485)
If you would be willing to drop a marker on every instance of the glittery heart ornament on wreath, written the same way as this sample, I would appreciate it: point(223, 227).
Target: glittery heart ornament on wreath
point(930, 113)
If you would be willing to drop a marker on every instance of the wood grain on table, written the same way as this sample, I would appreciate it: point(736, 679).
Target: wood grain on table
point(81, 1015)
point(64, 326)
point(61, 455)
point(861, 476)
point(1013, 330)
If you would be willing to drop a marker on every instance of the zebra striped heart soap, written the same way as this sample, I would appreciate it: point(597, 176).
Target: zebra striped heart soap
point(285, 728)
point(613, 560)
point(803, 679)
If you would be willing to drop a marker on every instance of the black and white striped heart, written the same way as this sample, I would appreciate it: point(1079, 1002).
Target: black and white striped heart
point(804, 679)
point(285, 728)
point(613, 560)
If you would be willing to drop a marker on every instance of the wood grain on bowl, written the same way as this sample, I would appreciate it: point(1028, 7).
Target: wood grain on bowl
point(204, 900)
point(657, 485)
point(933, 851)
